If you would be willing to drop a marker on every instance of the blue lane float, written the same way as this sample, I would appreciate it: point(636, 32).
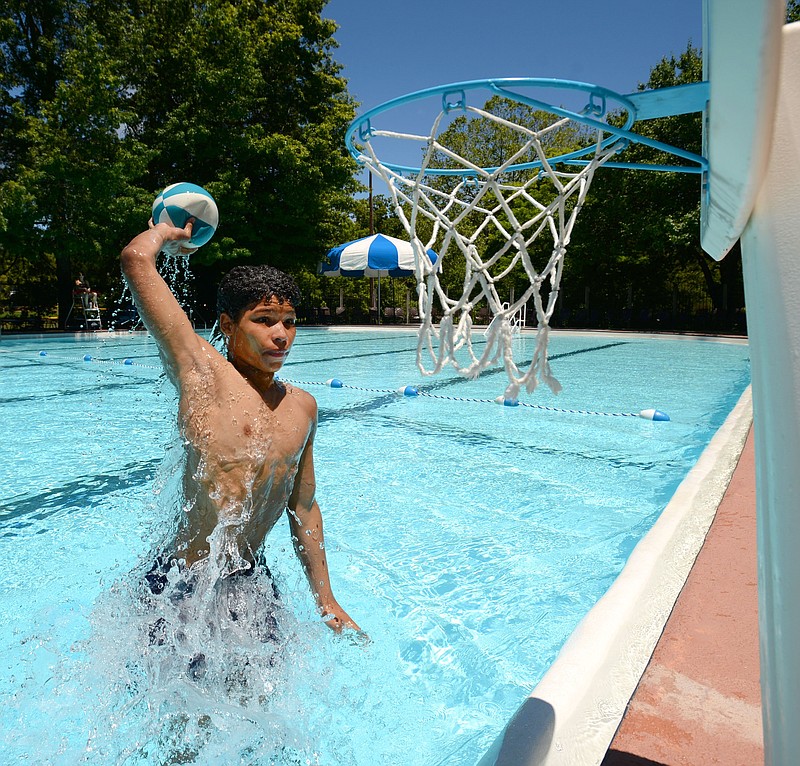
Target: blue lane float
point(128, 362)
point(654, 415)
point(412, 391)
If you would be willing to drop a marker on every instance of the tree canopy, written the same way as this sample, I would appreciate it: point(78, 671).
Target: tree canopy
point(104, 103)
point(642, 228)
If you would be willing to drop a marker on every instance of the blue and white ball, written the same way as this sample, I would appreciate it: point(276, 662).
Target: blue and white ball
point(180, 202)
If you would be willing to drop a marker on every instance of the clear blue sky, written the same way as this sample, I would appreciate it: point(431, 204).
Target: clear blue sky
point(392, 48)
point(389, 49)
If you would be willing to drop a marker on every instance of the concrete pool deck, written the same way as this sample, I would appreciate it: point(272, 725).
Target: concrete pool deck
point(699, 701)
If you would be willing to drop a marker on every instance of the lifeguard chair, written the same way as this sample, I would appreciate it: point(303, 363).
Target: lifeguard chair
point(85, 309)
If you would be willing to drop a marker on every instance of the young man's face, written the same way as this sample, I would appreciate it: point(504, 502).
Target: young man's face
point(263, 335)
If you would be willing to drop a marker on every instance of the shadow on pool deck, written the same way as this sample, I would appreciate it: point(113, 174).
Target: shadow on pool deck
point(698, 702)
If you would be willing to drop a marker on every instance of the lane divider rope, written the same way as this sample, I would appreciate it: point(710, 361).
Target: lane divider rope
point(412, 391)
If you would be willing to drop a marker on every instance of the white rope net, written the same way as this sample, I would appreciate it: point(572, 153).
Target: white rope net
point(493, 217)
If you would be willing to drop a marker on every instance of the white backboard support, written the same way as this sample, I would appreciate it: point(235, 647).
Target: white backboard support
point(741, 55)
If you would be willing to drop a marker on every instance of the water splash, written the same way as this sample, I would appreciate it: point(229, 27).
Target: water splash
point(174, 268)
point(198, 672)
point(177, 274)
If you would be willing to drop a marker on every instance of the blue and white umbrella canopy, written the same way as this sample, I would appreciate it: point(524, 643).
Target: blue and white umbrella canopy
point(374, 256)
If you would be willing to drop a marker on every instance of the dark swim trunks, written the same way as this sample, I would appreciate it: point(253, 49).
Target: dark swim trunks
point(157, 580)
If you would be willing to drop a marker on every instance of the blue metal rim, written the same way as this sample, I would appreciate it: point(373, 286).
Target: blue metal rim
point(361, 127)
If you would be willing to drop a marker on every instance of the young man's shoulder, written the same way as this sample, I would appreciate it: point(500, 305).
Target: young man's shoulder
point(302, 398)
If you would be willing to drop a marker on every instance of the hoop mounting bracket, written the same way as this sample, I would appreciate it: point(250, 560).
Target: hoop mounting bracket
point(448, 105)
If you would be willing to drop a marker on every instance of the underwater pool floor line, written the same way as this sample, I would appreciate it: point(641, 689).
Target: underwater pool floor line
point(573, 714)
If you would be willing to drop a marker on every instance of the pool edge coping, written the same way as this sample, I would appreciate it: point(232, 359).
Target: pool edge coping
point(572, 715)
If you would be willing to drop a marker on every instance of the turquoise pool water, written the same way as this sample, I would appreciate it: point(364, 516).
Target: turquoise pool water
point(467, 539)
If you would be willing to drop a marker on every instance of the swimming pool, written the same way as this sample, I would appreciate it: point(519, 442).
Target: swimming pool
point(467, 539)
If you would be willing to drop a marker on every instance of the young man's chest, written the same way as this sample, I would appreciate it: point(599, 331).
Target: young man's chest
point(239, 428)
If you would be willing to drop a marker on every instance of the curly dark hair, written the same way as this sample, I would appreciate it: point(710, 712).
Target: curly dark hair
point(245, 286)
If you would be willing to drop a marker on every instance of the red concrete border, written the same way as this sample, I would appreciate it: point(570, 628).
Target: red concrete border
point(699, 701)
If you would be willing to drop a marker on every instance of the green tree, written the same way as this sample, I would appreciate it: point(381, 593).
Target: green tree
point(793, 11)
point(245, 99)
point(640, 230)
point(62, 187)
point(103, 104)
point(489, 143)
point(384, 221)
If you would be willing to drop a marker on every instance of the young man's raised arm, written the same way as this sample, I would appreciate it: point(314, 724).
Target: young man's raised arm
point(305, 522)
point(160, 311)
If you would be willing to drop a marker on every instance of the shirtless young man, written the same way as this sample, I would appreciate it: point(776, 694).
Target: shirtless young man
point(249, 438)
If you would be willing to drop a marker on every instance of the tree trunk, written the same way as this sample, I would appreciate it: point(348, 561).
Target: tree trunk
point(713, 286)
point(65, 282)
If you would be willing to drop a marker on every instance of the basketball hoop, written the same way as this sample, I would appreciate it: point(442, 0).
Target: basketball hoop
point(496, 216)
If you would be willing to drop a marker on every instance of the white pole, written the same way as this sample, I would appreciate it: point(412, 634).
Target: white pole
point(770, 246)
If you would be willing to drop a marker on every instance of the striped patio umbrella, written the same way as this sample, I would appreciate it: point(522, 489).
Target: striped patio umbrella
point(373, 256)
